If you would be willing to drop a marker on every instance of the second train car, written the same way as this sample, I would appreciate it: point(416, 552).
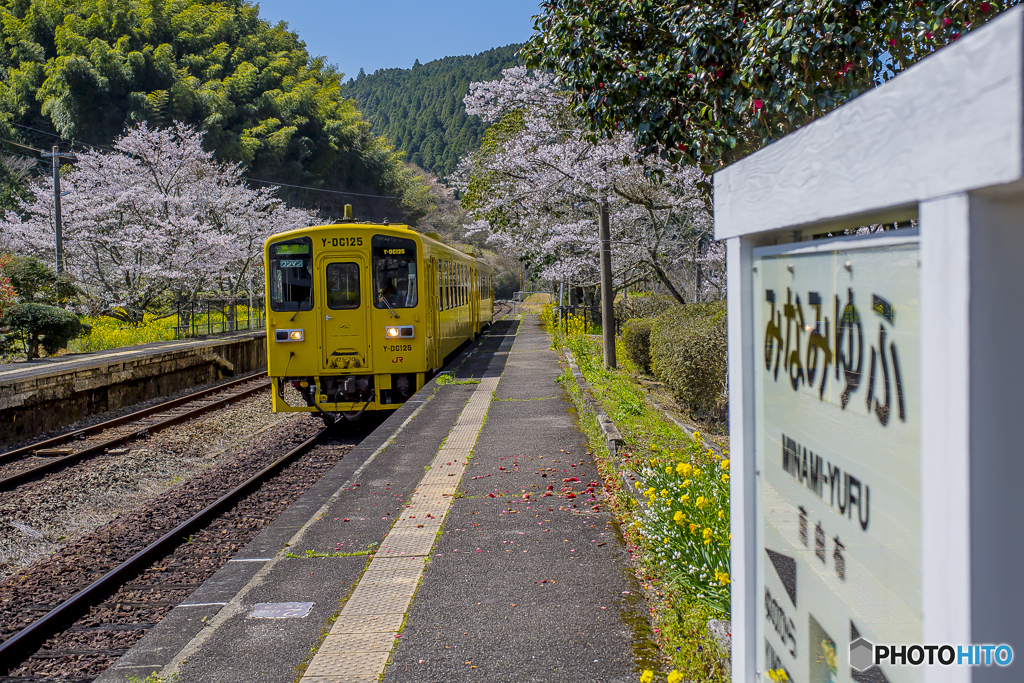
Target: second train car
point(360, 315)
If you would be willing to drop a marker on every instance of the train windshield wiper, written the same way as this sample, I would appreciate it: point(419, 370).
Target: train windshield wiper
point(380, 293)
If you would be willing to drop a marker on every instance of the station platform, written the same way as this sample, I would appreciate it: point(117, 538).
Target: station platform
point(50, 393)
point(464, 540)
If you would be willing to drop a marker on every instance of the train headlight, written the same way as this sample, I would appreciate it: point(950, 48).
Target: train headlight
point(289, 335)
point(400, 331)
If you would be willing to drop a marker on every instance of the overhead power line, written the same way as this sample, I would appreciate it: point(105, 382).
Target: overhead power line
point(57, 135)
point(317, 189)
point(18, 144)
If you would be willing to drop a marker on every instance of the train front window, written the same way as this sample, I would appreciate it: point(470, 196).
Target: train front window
point(394, 272)
point(291, 275)
point(342, 286)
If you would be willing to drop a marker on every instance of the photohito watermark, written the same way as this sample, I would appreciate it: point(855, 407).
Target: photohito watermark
point(864, 655)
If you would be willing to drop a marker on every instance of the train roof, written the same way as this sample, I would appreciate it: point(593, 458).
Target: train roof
point(396, 229)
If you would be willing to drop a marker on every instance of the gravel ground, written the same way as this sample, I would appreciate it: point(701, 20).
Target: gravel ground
point(97, 639)
point(41, 517)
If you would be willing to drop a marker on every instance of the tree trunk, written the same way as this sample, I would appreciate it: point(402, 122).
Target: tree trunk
point(663, 277)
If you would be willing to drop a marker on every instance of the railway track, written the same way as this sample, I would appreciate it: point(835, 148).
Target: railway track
point(503, 309)
point(62, 620)
point(27, 463)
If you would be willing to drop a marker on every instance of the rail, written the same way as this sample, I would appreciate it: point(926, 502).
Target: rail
point(14, 649)
point(99, 448)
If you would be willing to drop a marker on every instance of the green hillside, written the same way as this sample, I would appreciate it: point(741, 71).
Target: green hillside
point(85, 69)
point(420, 109)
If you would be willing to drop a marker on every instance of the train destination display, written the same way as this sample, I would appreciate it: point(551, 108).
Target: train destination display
point(837, 418)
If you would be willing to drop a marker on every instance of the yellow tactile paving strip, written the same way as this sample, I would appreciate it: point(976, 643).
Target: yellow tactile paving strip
point(360, 642)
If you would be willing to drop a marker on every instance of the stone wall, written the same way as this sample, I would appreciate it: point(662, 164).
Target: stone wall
point(55, 397)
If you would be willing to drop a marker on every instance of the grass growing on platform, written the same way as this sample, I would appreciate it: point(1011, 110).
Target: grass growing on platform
point(681, 532)
point(446, 378)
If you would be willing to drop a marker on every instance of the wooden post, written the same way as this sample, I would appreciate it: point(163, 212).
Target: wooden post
point(607, 290)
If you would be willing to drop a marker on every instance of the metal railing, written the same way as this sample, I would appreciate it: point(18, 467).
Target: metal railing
point(211, 317)
point(591, 318)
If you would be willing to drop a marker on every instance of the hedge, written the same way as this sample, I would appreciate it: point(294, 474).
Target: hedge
point(689, 355)
point(636, 340)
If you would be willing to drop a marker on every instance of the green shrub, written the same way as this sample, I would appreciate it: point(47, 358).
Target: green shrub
point(38, 325)
point(636, 339)
point(689, 354)
point(36, 282)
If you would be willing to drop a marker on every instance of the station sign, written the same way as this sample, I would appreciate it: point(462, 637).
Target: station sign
point(837, 452)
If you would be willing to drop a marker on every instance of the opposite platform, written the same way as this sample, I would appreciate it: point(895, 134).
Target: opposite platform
point(50, 393)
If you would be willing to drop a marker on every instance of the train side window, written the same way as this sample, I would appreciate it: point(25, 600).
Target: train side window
point(291, 275)
point(395, 281)
point(440, 284)
point(342, 286)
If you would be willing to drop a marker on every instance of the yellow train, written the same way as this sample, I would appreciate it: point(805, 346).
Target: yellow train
point(360, 315)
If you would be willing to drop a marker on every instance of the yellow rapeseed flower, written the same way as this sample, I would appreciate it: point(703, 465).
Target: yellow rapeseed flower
point(707, 533)
point(694, 527)
point(674, 677)
point(684, 469)
point(668, 470)
point(647, 676)
point(725, 465)
point(685, 499)
point(701, 501)
point(686, 482)
point(725, 478)
point(651, 492)
point(664, 493)
point(678, 517)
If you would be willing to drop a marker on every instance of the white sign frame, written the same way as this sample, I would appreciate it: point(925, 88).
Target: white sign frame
point(943, 143)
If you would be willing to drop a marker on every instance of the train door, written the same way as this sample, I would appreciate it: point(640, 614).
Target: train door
point(432, 302)
point(345, 308)
point(474, 302)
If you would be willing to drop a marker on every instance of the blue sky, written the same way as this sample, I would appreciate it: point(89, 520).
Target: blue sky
point(381, 34)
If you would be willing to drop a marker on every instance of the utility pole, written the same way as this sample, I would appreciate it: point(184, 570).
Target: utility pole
point(56, 211)
point(58, 222)
point(607, 292)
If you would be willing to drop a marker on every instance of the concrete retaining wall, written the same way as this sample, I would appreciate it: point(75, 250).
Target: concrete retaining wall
point(36, 402)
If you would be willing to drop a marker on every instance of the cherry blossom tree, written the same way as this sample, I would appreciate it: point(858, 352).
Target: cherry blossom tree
point(537, 184)
point(155, 221)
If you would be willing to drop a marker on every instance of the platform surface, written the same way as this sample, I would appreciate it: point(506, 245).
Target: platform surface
point(10, 372)
point(482, 585)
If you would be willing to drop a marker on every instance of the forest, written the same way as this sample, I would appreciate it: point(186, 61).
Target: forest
point(84, 70)
point(421, 110)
